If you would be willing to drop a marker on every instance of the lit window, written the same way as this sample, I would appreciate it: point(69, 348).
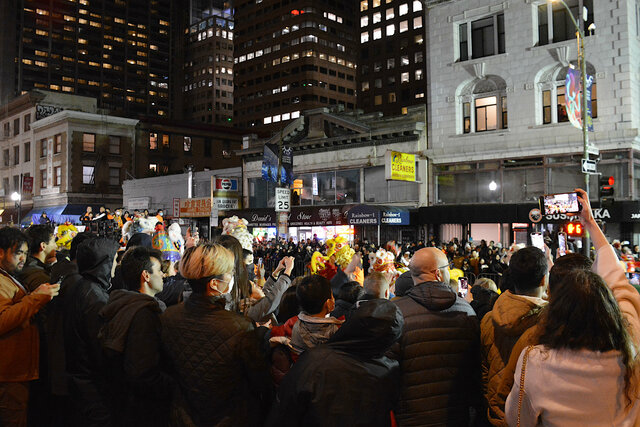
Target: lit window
point(377, 33)
point(87, 174)
point(403, 9)
point(390, 14)
point(391, 63)
point(364, 21)
point(153, 141)
point(377, 17)
point(417, 5)
point(376, 3)
point(404, 60)
point(267, 120)
point(418, 74)
point(365, 86)
point(89, 142)
point(419, 95)
point(153, 167)
point(364, 37)
point(377, 100)
point(404, 26)
point(364, 5)
point(391, 30)
point(404, 77)
point(392, 97)
point(295, 114)
point(417, 22)
point(486, 113)
point(187, 143)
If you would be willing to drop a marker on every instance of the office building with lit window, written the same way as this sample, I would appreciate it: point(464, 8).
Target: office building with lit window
point(392, 74)
point(292, 56)
point(116, 51)
point(499, 131)
point(205, 93)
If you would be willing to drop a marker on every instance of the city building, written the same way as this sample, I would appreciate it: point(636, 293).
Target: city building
point(115, 51)
point(392, 67)
point(499, 135)
point(167, 147)
point(340, 178)
point(291, 57)
point(205, 92)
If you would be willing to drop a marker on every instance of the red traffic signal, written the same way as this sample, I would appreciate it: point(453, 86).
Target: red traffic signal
point(574, 229)
point(606, 187)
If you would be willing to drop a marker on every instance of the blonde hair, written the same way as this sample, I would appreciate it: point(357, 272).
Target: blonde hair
point(486, 283)
point(205, 261)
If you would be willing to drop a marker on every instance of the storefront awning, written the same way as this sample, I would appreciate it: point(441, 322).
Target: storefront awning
point(57, 214)
point(333, 215)
point(378, 215)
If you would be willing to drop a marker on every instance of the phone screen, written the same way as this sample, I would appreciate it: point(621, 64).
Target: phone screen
point(562, 244)
point(463, 286)
point(537, 240)
point(560, 203)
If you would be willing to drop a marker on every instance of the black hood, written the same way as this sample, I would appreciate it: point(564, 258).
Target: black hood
point(435, 296)
point(371, 330)
point(483, 295)
point(95, 259)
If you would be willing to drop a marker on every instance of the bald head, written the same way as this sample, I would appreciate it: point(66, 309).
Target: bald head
point(429, 265)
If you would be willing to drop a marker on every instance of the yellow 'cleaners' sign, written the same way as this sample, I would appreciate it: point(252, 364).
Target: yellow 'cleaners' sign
point(400, 166)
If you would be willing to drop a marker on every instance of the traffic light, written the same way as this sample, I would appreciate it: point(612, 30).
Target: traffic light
point(606, 186)
point(574, 229)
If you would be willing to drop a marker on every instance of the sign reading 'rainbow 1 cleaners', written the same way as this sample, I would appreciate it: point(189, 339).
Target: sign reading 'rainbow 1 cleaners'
point(400, 166)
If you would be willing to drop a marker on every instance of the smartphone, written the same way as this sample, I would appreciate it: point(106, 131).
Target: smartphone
point(463, 286)
point(562, 244)
point(260, 261)
point(537, 240)
point(560, 203)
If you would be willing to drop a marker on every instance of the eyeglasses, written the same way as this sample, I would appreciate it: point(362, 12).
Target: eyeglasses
point(450, 265)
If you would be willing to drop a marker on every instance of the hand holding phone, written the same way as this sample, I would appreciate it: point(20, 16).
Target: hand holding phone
point(463, 286)
point(537, 240)
point(560, 203)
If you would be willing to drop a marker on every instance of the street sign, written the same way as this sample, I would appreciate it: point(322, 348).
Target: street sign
point(589, 166)
point(283, 199)
point(594, 151)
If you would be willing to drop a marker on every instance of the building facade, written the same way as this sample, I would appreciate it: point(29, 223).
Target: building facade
point(392, 67)
point(339, 162)
point(291, 57)
point(206, 56)
point(116, 51)
point(498, 126)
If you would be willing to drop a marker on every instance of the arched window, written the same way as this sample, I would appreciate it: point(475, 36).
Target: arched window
point(551, 87)
point(483, 105)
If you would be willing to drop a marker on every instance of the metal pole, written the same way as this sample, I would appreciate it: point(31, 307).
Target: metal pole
point(20, 203)
point(585, 135)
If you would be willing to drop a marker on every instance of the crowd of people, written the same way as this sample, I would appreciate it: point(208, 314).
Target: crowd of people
point(232, 335)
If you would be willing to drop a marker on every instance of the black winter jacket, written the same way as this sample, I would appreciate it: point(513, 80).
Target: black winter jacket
point(439, 358)
point(217, 361)
point(82, 323)
point(483, 301)
point(348, 381)
point(130, 339)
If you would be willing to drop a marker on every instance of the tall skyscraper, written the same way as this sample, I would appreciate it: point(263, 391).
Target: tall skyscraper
point(117, 51)
point(392, 63)
point(292, 56)
point(206, 60)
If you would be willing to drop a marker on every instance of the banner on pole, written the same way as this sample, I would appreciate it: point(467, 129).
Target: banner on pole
point(573, 98)
point(270, 164)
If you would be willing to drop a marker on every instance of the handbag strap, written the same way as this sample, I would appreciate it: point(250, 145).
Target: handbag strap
point(522, 371)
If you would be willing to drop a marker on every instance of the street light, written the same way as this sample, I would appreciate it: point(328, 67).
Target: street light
point(493, 186)
point(16, 197)
point(583, 72)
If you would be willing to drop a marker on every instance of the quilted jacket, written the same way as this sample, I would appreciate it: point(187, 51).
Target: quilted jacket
point(218, 364)
point(438, 355)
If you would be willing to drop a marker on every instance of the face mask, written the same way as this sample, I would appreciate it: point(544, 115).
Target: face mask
point(230, 285)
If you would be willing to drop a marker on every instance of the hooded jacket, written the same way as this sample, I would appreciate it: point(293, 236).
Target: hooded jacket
point(130, 339)
point(512, 315)
point(483, 301)
point(82, 323)
point(309, 332)
point(347, 381)
point(438, 355)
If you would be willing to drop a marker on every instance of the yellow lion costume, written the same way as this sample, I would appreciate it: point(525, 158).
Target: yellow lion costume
point(65, 234)
point(338, 252)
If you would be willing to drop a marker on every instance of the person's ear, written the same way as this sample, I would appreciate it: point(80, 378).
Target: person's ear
point(42, 246)
point(145, 275)
point(386, 294)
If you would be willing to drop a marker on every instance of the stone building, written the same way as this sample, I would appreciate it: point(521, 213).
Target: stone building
point(496, 113)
